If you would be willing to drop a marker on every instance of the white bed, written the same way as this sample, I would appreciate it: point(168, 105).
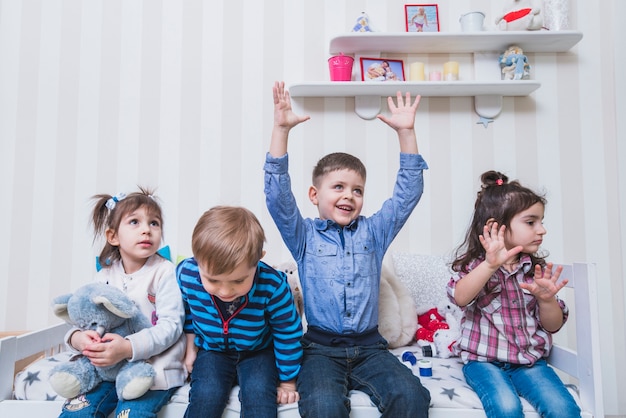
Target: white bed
point(451, 397)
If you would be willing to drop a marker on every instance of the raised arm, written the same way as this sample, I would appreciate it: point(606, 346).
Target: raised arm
point(284, 120)
point(402, 120)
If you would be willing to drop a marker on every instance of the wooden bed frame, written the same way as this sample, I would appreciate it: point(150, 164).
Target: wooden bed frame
point(583, 364)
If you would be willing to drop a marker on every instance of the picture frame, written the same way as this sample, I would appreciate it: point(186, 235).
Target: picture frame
point(382, 69)
point(421, 17)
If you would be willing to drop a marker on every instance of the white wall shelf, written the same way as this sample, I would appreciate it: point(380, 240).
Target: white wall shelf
point(486, 46)
point(446, 42)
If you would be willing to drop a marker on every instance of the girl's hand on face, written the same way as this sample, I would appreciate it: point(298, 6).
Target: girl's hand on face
point(545, 286)
point(492, 241)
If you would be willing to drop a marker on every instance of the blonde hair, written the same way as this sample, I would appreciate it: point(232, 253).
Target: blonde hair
point(226, 237)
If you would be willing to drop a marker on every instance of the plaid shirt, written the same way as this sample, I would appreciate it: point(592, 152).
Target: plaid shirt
point(502, 322)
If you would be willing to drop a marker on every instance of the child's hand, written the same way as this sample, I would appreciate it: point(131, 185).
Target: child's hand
point(111, 350)
point(190, 359)
point(286, 392)
point(402, 114)
point(545, 286)
point(284, 117)
point(81, 339)
point(492, 241)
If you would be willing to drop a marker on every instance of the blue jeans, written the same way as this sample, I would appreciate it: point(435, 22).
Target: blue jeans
point(102, 400)
point(499, 386)
point(329, 373)
point(215, 373)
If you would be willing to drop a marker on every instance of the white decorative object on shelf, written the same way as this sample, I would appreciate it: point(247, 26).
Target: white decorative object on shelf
point(556, 14)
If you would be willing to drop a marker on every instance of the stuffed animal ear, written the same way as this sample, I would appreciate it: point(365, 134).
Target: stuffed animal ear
point(116, 309)
point(59, 307)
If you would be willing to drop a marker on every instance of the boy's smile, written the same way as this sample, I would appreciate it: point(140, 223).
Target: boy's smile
point(339, 196)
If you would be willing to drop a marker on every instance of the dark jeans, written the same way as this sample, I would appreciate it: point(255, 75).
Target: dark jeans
point(215, 373)
point(329, 373)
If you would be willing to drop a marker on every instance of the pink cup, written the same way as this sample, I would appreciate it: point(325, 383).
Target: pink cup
point(340, 67)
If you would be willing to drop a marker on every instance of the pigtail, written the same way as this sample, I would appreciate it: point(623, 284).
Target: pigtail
point(101, 221)
point(100, 214)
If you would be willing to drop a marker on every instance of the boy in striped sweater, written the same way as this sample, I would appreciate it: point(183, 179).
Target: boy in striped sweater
point(241, 322)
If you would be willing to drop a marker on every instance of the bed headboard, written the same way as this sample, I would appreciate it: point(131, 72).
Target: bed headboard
point(584, 362)
point(13, 349)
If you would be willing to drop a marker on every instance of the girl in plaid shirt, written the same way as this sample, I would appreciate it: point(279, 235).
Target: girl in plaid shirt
point(507, 292)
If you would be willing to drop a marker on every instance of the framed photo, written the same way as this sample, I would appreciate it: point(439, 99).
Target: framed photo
point(421, 17)
point(381, 69)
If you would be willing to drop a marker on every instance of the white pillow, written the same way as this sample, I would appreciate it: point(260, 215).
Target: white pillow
point(426, 277)
point(32, 383)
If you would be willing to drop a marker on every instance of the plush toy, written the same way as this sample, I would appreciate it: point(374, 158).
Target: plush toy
point(444, 339)
point(105, 309)
point(429, 321)
point(397, 321)
point(448, 309)
point(291, 270)
point(514, 64)
point(520, 15)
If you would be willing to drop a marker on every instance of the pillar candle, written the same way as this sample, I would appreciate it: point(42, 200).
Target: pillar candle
point(451, 71)
point(416, 71)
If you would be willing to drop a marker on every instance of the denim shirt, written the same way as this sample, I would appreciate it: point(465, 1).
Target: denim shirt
point(339, 268)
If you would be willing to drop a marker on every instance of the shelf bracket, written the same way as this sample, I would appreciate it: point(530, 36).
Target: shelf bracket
point(488, 106)
point(367, 107)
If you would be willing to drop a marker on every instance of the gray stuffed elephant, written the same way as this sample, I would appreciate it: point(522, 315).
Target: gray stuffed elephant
point(105, 309)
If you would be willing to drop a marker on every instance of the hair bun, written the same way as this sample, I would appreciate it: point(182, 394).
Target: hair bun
point(493, 178)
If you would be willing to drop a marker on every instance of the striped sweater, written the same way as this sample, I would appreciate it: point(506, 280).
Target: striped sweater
point(268, 316)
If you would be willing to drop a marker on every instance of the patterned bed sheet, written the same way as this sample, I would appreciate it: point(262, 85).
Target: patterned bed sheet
point(447, 385)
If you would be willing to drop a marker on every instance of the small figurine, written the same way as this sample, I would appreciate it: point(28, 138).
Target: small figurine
point(514, 64)
point(362, 23)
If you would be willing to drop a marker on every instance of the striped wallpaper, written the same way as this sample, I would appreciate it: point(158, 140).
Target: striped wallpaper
point(100, 96)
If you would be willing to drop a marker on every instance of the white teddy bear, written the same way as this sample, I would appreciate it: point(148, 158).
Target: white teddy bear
point(291, 270)
point(444, 339)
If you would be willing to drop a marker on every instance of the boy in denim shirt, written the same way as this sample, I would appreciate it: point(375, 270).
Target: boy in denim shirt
point(339, 258)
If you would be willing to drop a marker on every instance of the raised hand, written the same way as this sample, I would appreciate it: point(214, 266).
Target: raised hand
point(284, 116)
point(546, 284)
point(402, 113)
point(492, 241)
